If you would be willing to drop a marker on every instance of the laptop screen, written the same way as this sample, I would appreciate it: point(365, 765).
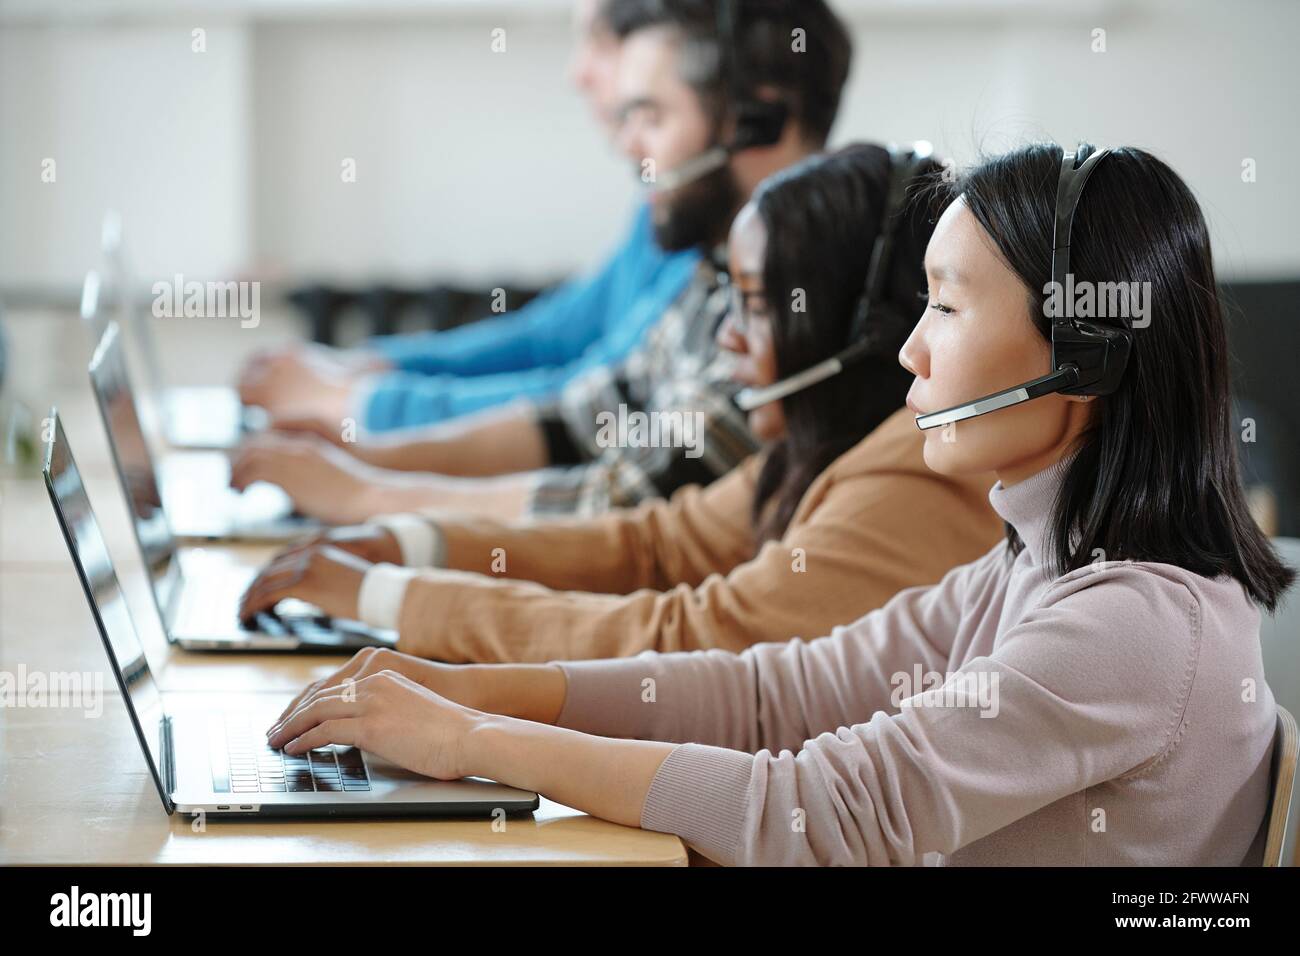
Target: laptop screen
point(135, 466)
point(107, 603)
point(93, 314)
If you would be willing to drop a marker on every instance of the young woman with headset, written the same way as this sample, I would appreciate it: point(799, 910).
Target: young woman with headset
point(834, 517)
point(1089, 691)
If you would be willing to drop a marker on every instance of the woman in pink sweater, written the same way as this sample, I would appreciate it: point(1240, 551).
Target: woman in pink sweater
point(1090, 691)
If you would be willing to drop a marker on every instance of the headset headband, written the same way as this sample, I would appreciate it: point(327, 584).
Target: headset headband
point(1087, 358)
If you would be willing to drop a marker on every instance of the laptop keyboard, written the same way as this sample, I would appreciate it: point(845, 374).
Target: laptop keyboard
point(315, 627)
point(243, 762)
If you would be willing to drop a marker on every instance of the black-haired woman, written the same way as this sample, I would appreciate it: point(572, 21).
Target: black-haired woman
point(1098, 695)
point(837, 514)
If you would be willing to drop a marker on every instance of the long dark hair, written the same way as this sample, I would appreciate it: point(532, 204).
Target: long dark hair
point(822, 218)
point(1156, 474)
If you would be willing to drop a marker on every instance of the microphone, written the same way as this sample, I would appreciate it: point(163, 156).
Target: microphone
point(1087, 358)
point(748, 399)
point(693, 169)
point(1062, 378)
point(903, 167)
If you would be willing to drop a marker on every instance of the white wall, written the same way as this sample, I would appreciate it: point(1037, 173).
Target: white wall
point(479, 164)
point(468, 161)
point(131, 119)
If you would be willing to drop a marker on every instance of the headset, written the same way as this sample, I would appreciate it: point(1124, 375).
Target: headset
point(1087, 359)
point(904, 166)
point(757, 122)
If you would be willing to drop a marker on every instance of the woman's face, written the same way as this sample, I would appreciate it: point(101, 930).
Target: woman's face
point(976, 336)
point(747, 330)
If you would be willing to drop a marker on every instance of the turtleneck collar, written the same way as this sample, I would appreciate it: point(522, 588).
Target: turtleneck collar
point(1027, 506)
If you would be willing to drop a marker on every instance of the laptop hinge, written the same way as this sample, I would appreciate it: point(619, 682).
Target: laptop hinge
point(168, 757)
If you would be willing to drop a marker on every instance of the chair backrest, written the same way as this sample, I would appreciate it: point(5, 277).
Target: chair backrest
point(1282, 782)
point(1280, 643)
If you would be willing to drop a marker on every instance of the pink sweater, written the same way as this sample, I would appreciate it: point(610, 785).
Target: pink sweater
point(1115, 715)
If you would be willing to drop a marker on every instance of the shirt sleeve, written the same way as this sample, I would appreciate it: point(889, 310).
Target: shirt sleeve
point(553, 329)
point(657, 545)
point(533, 353)
point(713, 438)
point(683, 575)
point(1088, 686)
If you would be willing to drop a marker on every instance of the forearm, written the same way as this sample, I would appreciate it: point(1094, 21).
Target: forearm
point(505, 498)
point(604, 777)
point(532, 692)
point(503, 441)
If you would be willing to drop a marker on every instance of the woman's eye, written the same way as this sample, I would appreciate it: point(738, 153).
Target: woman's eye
point(941, 308)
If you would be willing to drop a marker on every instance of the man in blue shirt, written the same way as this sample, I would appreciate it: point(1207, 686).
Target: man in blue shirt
point(534, 352)
point(564, 456)
point(400, 381)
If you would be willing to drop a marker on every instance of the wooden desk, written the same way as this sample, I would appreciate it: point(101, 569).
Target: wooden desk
point(75, 789)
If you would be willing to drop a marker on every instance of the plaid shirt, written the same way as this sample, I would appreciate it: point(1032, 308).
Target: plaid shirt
point(677, 370)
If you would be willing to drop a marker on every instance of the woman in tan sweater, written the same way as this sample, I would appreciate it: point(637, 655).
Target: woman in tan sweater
point(838, 515)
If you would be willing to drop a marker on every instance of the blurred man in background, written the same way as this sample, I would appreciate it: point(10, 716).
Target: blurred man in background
point(681, 86)
point(400, 381)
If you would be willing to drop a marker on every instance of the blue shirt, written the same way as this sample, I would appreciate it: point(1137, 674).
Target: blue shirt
point(533, 352)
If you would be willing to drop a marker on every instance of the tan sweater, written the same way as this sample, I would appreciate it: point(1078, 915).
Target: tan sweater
point(682, 574)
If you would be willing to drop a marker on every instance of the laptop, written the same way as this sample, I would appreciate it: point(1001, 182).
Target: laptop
point(199, 417)
point(198, 599)
point(216, 761)
point(195, 484)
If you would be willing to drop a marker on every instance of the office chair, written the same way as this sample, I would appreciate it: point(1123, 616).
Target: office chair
point(1279, 637)
point(1282, 782)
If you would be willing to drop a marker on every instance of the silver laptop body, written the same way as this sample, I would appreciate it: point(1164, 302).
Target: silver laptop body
point(195, 484)
point(190, 416)
point(198, 596)
point(216, 761)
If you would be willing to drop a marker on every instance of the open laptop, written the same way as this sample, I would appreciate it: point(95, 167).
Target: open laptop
point(195, 484)
point(199, 603)
point(217, 761)
point(190, 416)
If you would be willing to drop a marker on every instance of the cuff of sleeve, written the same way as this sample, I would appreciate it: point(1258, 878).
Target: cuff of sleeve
point(363, 393)
point(418, 538)
point(701, 794)
point(382, 589)
point(561, 448)
point(604, 697)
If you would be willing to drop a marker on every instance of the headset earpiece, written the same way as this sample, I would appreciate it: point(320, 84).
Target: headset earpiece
point(1099, 353)
point(1087, 358)
point(903, 169)
point(759, 123)
point(904, 165)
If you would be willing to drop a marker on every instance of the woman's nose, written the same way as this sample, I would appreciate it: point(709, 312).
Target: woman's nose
point(729, 336)
point(914, 356)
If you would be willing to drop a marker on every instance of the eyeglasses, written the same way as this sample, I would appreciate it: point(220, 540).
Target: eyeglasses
point(748, 306)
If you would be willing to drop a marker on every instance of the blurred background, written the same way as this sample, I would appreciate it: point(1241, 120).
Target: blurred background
point(215, 132)
point(480, 164)
point(478, 168)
